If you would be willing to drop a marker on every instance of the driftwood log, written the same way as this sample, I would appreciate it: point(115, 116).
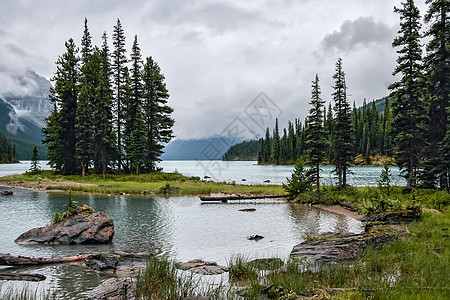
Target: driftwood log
point(17, 260)
point(22, 276)
point(226, 198)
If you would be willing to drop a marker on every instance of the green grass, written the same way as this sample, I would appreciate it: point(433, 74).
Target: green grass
point(240, 268)
point(366, 199)
point(408, 268)
point(162, 280)
point(136, 184)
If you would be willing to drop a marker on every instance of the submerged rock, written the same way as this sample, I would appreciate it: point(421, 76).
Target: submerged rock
point(114, 289)
point(267, 263)
point(255, 237)
point(92, 228)
point(6, 193)
point(102, 262)
point(202, 267)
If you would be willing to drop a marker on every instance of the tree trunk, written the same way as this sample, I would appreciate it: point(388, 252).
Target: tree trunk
point(17, 260)
point(21, 276)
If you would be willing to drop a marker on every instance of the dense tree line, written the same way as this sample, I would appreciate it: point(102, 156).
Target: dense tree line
point(7, 151)
point(371, 135)
point(110, 112)
point(246, 150)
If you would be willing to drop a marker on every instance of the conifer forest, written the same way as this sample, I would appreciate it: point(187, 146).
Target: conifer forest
point(413, 127)
point(110, 111)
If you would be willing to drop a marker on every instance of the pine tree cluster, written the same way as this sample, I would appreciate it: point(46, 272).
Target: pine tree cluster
point(110, 113)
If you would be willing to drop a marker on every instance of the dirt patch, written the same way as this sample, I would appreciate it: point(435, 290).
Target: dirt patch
point(44, 185)
point(341, 210)
point(433, 211)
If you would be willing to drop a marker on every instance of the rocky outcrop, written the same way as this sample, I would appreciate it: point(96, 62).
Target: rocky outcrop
point(332, 247)
point(81, 229)
point(395, 217)
point(202, 267)
point(114, 289)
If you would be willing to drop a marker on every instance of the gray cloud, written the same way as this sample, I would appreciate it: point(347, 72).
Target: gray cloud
point(364, 31)
point(218, 55)
point(213, 17)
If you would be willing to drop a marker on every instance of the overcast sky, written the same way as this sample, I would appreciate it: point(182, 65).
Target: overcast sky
point(218, 56)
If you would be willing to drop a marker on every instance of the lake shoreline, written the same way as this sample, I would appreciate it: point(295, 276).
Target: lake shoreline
point(54, 186)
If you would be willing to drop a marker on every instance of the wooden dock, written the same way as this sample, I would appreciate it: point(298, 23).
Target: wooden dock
point(229, 198)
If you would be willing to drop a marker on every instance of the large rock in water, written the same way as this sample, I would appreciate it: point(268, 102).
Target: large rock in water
point(333, 247)
point(81, 229)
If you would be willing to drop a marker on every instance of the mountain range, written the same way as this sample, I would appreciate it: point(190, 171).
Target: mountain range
point(24, 104)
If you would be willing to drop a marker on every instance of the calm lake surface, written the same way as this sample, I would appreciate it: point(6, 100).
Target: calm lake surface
point(182, 227)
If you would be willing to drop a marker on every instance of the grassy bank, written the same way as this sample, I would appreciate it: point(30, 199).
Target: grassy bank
point(136, 184)
point(373, 199)
point(408, 268)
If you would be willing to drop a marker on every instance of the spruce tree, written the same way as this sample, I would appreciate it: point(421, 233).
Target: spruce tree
point(132, 104)
point(35, 165)
point(291, 143)
point(59, 134)
point(387, 129)
point(104, 139)
point(136, 151)
point(83, 119)
point(342, 142)
point(407, 93)
point(315, 133)
point(437, 69)
point(276, 144)
point(267, 150)
point(119, 61)
point(156, 113)
point(299, 182)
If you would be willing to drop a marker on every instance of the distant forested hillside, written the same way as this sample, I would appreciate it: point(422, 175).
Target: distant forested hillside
point(7, 151)
point(371, 125)
point(247, 150)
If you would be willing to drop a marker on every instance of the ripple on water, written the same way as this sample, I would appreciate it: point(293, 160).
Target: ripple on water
point(181, 226)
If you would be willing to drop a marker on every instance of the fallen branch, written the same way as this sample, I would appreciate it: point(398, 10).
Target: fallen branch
point(17, 260)
point(22, 276)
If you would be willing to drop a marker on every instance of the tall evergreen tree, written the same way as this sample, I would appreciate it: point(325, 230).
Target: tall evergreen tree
point(119, 61)
point(83, 118)
point(407, 93)
point(136, 151)
point(133, 104)
point(156, 113)
point(104, 139)
point(35, 166)
point(267, 149)
point(342, 142)
point(86, 43)
point(291, 143)
point(59, 134)
point(276, 144)
point(387, 129)
point(437, 68)
point(329, 125)
point(315, 133)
